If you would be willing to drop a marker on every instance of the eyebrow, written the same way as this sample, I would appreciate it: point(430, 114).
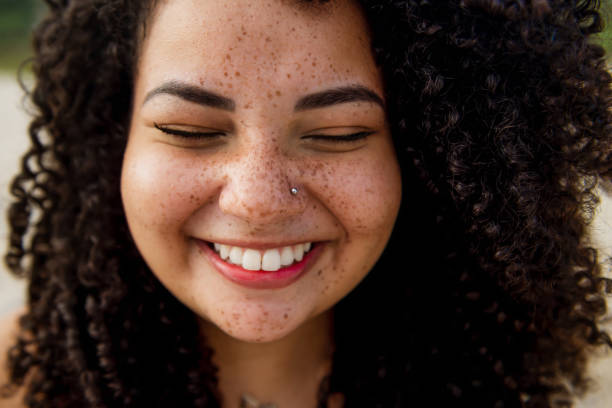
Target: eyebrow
point(329, 97)
point(192, 93)
point(335, 96)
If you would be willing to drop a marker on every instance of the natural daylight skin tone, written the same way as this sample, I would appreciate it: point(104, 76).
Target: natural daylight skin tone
point(232, 185)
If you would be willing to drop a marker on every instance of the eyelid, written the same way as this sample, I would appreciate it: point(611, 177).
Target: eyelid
point(187, 134)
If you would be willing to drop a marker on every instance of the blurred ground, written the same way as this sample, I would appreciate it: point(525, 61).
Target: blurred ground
point(601, 368)
point(13, 143)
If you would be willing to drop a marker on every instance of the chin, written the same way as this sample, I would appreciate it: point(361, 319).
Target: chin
point(259, 336)
point(265, 333)
point(257, 322)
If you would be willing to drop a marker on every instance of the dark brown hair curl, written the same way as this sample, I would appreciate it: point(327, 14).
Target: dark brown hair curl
point(488, 294)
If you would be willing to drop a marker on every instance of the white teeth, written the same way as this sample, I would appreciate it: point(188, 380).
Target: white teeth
point(298, 252)
point(235, 255)
point(286, 256)
point(223, 251)
point(270, 260)
point(251, 260)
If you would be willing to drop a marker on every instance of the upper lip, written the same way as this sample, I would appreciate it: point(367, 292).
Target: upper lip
point(256, 244)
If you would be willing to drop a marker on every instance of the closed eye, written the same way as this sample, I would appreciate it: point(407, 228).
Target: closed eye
point(352, 137)
point(188, 134)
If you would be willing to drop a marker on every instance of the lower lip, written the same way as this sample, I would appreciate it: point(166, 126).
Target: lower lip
point(262, 279)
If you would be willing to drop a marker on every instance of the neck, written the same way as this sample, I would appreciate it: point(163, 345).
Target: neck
point(286, 372)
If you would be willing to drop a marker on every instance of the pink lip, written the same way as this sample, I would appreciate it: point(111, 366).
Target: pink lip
point(261, 279)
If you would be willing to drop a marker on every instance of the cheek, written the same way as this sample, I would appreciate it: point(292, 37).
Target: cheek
point(161, 189)
point(363, 195)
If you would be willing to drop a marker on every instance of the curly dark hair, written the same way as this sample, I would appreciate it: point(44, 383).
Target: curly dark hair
point(501, 116)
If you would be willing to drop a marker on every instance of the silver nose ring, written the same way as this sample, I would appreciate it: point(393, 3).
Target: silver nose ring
point(294, 191)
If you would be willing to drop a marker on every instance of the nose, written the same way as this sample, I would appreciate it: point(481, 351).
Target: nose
point(259, 187)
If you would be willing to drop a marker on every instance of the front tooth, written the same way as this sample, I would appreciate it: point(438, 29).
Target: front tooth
point(235, 255)
point(224, 251)
point(298, 252)
point(217, 247)
point(271, 260)
point(286, 256)
point(307, 246)
point(251, 260)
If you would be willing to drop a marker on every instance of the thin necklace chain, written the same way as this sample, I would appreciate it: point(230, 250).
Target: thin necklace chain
point(248, 401)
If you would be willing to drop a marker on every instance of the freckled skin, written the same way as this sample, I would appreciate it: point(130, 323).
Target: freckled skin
point(175, 190)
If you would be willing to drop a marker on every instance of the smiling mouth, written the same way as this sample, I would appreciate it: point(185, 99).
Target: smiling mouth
point(269, 260)
point(262, 268)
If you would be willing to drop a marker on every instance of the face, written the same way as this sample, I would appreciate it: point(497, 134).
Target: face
point(234, 106)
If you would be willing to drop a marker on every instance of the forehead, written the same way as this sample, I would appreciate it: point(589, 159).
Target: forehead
point(240, 43)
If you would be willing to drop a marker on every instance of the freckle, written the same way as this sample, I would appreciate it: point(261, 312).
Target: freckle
point(285, 316)
point(237, 73)
point(239, 38)
point(314, 64)
point(320, 272)
point(288, 75)
point(225, 73)
point(228, 57)
point(278, 93)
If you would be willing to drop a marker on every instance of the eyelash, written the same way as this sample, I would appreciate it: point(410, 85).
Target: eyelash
point(188, 135)
point(352, 137)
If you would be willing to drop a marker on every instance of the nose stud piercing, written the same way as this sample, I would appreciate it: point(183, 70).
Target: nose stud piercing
point(294, 191)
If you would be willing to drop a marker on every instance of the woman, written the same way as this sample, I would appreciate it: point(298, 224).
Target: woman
point(299, 204)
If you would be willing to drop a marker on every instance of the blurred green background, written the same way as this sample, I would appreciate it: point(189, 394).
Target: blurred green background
point(17, 17)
